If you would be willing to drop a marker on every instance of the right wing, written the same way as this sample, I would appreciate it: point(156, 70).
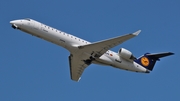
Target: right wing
point(97, 49)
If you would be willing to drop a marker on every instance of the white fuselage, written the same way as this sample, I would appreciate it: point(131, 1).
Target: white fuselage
point(71, 43)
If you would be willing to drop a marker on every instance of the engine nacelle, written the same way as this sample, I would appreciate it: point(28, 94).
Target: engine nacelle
point(126, 54)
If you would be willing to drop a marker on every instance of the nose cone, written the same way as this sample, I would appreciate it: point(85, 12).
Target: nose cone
point(16, 24)
point(12, 22)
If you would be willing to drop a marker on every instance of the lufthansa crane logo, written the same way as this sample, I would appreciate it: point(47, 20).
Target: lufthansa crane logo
point(145, 61)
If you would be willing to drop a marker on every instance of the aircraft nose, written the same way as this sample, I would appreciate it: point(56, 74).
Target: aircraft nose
point(12, 22)
point(15, 23)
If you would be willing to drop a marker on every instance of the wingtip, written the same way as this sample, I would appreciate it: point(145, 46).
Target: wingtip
point(137, 32)
point(171, 53)
point(79, 79)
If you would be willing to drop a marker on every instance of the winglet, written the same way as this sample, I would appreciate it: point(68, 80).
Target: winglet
point(137, 33)
point(79, 79)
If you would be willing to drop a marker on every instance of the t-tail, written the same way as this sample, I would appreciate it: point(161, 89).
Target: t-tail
point(149, 60)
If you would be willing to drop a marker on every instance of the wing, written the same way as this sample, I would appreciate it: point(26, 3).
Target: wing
point(97, 49)
point(77, 66)
point(87, 53)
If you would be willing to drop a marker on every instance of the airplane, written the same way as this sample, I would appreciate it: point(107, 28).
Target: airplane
point(84, 53)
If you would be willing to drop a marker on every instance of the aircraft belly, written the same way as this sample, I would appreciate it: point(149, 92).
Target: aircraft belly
point(130, 66)
point(104, 60)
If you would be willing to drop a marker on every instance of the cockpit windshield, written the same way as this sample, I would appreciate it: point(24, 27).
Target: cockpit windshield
point(27, 19)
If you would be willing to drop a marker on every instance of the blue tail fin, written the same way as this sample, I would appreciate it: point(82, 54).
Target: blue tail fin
point(149, 60)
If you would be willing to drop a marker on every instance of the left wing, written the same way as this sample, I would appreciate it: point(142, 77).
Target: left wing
point(97, 49)
point(77, 66)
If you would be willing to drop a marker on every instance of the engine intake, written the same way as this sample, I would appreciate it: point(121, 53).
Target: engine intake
point(126, 54)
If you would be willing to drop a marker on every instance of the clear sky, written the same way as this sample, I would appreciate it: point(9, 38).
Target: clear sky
point(32, 69)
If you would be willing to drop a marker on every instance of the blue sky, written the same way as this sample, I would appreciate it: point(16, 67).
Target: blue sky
point(32, 69)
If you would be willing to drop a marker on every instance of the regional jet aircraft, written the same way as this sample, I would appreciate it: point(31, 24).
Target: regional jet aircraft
point(84, 53)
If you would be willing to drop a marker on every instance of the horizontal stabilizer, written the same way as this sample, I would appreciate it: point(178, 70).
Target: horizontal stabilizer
point(159, 55)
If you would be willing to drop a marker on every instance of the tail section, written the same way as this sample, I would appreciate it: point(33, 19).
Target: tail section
point(149, 60)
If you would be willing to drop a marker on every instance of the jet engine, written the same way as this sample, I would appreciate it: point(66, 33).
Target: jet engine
point(126, 54)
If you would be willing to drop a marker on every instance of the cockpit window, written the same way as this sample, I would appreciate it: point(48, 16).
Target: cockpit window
point(27, 19)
